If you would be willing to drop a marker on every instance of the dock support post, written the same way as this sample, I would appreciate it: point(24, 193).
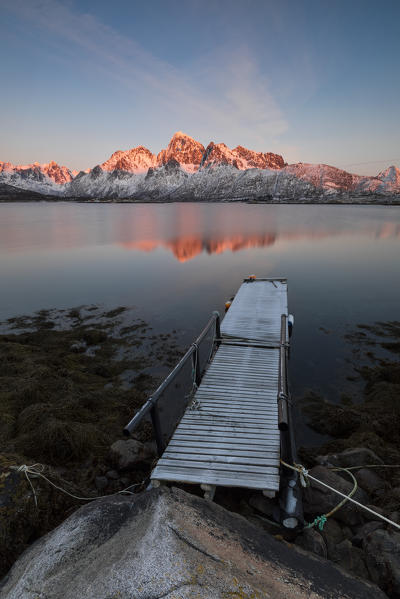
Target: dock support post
point(209, 491)
point(269, 494)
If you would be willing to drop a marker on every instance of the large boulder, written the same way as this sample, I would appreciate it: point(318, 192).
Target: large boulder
point(311, 540)
point(318, 500)
point(382, 550)
point(127, 454)
point(167, 543)
point(370, 481)
point(356, 456)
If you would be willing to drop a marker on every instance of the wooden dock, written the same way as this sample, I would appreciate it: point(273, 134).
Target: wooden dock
point(229, 434)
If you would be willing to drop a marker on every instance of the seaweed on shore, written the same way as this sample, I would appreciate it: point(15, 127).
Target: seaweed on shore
point(371, 420)
point(69, 382)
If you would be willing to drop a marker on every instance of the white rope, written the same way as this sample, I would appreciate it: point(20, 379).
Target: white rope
point(36, 470)
point(304, 472)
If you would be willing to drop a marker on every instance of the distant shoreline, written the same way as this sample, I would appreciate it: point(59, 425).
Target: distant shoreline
point(363, 201)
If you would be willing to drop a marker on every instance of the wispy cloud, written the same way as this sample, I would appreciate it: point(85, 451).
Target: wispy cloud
point(227, 99)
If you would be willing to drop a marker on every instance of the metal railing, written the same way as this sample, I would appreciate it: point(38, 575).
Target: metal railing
point(151, 407)
point(283, 395)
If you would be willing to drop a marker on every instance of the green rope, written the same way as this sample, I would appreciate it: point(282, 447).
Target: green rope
point(319, 521)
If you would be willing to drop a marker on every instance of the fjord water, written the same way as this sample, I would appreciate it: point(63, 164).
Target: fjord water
point(176, 263)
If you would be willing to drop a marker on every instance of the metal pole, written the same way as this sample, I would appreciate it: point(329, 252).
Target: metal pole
point(155, 419)
point(217, 326)
point(196, 364)
point(290, 493)
point(132, 424)
point(283, 418)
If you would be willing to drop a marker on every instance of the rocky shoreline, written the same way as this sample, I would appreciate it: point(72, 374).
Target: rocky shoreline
point(69, 382)
point(61, 372)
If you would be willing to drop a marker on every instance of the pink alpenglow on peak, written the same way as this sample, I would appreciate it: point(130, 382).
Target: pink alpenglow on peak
point(137, 160)
point(187, 170)
point(391, 178)
point(241, 158)
point(185, 150)
point(56, 173)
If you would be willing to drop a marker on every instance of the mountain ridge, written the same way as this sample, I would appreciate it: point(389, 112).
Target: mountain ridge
point(186, 170)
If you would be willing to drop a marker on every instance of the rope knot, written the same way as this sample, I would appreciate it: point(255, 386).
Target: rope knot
point(34, 470)
point(319, 522)
point(303, 475)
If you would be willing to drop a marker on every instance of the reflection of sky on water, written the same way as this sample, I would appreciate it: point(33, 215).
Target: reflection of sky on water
point(178, 262)
point(186, 229)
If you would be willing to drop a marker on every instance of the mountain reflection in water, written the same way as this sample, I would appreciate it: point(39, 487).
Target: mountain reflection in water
point(220, 228)
point(186, 230)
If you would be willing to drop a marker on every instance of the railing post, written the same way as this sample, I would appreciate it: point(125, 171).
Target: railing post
point(196, 364)
point(217, 325)
point(155, 419)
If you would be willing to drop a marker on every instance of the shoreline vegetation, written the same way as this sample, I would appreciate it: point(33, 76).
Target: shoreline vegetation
point(71, 379)
point(69, 382)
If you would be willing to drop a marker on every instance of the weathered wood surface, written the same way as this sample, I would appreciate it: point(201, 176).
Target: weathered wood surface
point(255, 313)
point(229, 434)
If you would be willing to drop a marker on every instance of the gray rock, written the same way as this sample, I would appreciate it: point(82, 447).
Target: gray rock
point(351, 559)
point(245, 509)
point(319, 500)
point(382, 552)
point(125, 455)
point(112, 475)
point(363, 532)
point(262, 504)
point(395, 492)
point(395, 516)
point(78, 346)
point(359, 456)
point(167, 543)
point(150, 450)
point(370, 481)
point(333, 535)
point(368, 516)
point(101, 482)
point(311, 540)
point(263, 523)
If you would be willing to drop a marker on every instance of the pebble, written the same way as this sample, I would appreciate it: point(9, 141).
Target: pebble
point(101, 482)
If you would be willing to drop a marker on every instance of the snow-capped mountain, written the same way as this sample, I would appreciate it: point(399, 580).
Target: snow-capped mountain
point(185, 150)
point(43, 178)
point(187, 171)
point(241, 158)
point(328, 177)
point(58, 174)
point(136, 160)
point(211, 183)
point(390, 179)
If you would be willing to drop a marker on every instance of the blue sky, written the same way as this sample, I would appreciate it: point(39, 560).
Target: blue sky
point(317, 81)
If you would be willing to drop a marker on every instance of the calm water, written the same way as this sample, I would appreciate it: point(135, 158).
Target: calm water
point(178, 262)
